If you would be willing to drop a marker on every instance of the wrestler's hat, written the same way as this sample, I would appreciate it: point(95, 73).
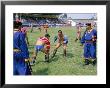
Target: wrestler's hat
point(88, 24)
point(17, 24)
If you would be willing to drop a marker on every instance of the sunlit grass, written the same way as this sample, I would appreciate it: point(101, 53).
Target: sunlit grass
point(71, 65)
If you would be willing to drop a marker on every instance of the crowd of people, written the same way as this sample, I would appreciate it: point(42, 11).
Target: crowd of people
point(22, 61)
point(41, 21)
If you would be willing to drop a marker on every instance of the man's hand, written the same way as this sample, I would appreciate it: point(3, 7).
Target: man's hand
point(29, 59)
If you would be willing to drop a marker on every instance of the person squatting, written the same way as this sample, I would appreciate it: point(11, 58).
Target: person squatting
point(43, 45)
point(62, 40)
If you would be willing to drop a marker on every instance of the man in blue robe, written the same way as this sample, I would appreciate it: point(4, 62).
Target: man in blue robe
point(89, 40)
point(21, 53)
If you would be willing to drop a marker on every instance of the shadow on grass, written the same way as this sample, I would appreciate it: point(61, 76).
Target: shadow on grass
point(43, 61)
point(54, 58)
point(41, 72)
point(69, 55)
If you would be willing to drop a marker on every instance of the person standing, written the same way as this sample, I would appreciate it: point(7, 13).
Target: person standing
point(20, 52)
point(89, 40)
point(46, 26)
point(78, 37)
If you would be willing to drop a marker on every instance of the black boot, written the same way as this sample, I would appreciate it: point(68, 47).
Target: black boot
point(86, 62)
point(76, 39)
point(94, 63)
point(47, 58)
point(54, 52)
point(80, 38)
point(64, 53)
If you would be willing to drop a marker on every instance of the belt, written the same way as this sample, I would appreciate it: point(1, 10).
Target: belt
point(89, 41)
point(16, 50)
point(28, 59)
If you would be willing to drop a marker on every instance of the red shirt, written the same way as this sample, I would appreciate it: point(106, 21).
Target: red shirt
point(46, 41)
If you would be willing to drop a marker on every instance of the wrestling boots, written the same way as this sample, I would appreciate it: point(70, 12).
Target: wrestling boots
point(54, 52)
point(64, 53)
point(86, 62)
point(94, 62)
point(47, 57)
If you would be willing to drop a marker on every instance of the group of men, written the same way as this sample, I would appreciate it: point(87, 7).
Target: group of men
point(21, 54)
point(43, 44)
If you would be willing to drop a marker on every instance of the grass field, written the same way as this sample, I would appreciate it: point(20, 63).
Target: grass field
point(71, 65)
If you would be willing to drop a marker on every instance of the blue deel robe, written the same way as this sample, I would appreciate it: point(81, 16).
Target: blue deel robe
point(20, 67)
point(89, 47)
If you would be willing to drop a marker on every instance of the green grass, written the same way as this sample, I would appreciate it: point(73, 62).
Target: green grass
point(71, 65)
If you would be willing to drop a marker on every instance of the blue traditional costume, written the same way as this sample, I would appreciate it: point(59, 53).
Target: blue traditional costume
point(21, 53)
point(89, 41)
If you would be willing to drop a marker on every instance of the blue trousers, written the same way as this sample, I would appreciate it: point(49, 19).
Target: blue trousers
point(90, 50)
point(39, 47)
point(65, 42)
point(19, 65)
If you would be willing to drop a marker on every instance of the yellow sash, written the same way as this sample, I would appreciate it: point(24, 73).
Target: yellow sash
point(16, 50)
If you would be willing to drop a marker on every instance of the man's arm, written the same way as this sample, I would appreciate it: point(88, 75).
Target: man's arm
point(55, 38)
